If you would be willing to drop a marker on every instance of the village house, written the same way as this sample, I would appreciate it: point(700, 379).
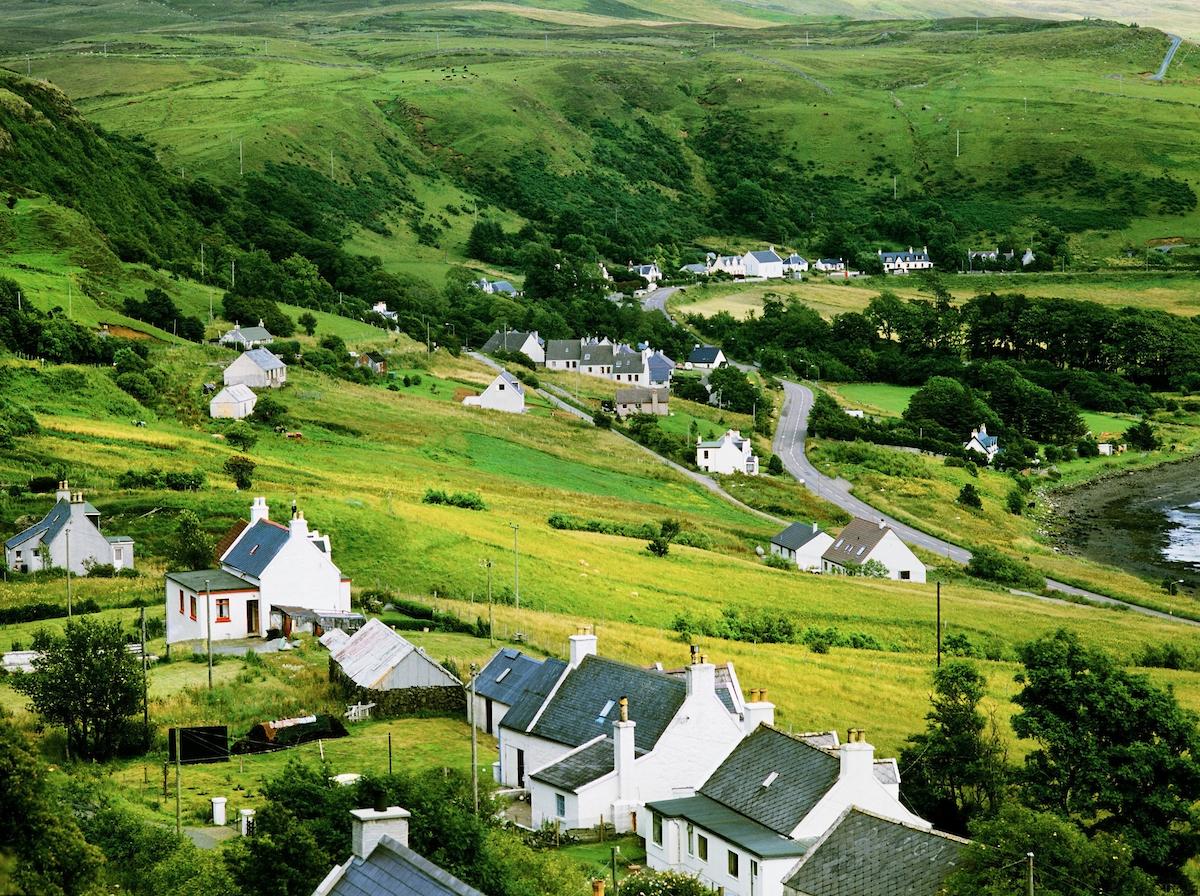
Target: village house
point(257, 368)
point(729, 454)
point(505, 393)
point(611, 736)
point(564, 354)
point(706, 357)
point(261, 564)
point(651, 273)
point(247, 337)
point(803, 544)
point(375, 363)
point(764, 263)
point(795, 264)
point(700, 270)
point(981, 443)
point(640, 400)
point(830, 265)
point(68, 537)
point(733, 265)
point(660, 368)
point(527, 343)
point(862, 541)
point(983, 256)
point(509, 676)
point(382, 864)
point(234, 402)
point(596, 358)
point(629, 365)
point(381, 309)
point(496, 287)
point(765, 807)
point(905, 262)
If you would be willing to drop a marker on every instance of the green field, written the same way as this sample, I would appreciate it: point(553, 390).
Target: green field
point(876, 398)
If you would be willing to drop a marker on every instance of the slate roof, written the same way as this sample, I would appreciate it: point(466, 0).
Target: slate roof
point(796, 536)
point(236, 392)
point(832, 262)
point(512, 381)
point(563, 350)
point(373, 651)
point(736, 439)
point(264, 359)
point(641, 395)
point(118, 539)
point(855, 542)
point(510, 340)
point(585, 704)
point(660, 367)
point(984, 439)
point(866, 855)
point(596, 355)
point(581, 767)
point(507, 675)
point(537, 689)
point(255, 550)
point(695, 268)
point(704, 354)
point(795, 259)
point(729, 825)
point(766, 256)
point(904, 256)
point(247, 335)
point(47, 529)
point(218, 580)
point(393, 869)
point(628, 362)
point(504, 286)
point(803, 772)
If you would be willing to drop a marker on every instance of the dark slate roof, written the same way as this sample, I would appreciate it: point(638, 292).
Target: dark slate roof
point(904, 256)
point(642, 395)
point(831, 262)
point(596, 355)
point(585, 705)
point(855, 543)
point(563, 350)
point(511, 340)
point(256, 549)
point(393, 869)
point(581, 767)
point(704, 354)
point(746, 833)
point(803, 775)
point(865, 855)
point(695, 268)
point(47, 528)
point(512, 381)
point(628, 362)
point(660, 366)
point(766, 255)
point(507, 675)
point(264, 359)
point(795, 259)
point(796, 536)
point(537, 689)
point(218, 580)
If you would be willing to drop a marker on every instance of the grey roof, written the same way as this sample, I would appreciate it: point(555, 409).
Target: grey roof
point(796, 536)
point(738, 440)
point(236, 392)
point(509, 340)
point(628, 362)
point(581, 767)
point(596, 355)
point(887, 772)
point(503, 286)
point(374, 651)
point(729, 825)
point(855, 542)
point(704, 354)
point(563, 350)
point(217, 580)
point(254, 551)
point(512, 381)
point(832, 261)
point(507, 675)
point(795, 259)
point(904, 256)
point(247, 334)
point(118, 539)
point(803, 775)
point(392, 869)
point(585, 704)
point(766, 255)
point(45, 529)
point(695, 268)
point(264, 359)
point(641, 394)
point(866, 855)
point(537, 689)
point(823, 740)
point(660, 367)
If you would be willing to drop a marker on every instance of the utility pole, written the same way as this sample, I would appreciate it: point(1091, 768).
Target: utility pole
point(1029, 878)
point(178, 786)
point(894, 186)
point(957, 143)
point(208, 619)
point(487, 564)
point(28, 67)
point(616, 851)
point(202, 261)
point(474, 742)
point(233, 274)
point(145, 685)
point(516, 566)
point(69, 612)
point(331, 164)
point(70, 296)
point(1026, 105)
point(241, 160)
point(939, 625)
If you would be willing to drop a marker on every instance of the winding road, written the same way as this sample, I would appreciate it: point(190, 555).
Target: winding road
point(1176, 40)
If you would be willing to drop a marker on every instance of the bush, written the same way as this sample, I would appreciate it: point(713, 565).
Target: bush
point(775, 465)
point(241, 468)
point(1015, 501)
point(602, 420)
point(156, 478)
point(269, 411)
point(43, 485)
point(241, 436)
point(969, 497)
point(989, 564)
point(465, 500)
point(136, 385)
point(777, 561)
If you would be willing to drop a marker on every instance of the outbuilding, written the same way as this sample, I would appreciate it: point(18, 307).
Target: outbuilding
point(234, 402)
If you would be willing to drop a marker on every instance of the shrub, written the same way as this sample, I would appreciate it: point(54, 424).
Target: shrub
point(465, 500)
point(968, 496)
point(776, 561)
point(602, 420)
point(1015, 501)
point(42, 485)
point(136, 385)
point(775, 465)
point(989, 564)
point(269, 411)
point(241, 468)
point(241, 436)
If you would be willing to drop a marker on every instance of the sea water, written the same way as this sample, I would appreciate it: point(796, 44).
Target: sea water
point(1183, 535)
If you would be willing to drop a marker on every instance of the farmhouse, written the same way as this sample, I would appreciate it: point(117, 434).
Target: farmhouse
point(651, 273)
point(527, 343)
point(233, 402)
point(382, 864)
point(795, 264)
point(247, 337)
point(503, 287)
point(865, 854)
point(261, 565)
point(729, 454)
point(68, 537)
point(505, 393)
point(699, 270)
point(706, 357)
point(981, 443)
point(904, 262)
point(863, 541)
point(830, 265)
point(803, 544)
point(764, 263)
point(509, 676)
point(642, 401)
point(611, 736)
point(257, 368)
point(765, 806)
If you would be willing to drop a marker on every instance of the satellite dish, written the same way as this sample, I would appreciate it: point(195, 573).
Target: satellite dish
point(758, 550)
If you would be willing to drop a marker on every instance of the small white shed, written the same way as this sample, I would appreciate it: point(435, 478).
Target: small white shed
point(504, 394)
point(233, 402)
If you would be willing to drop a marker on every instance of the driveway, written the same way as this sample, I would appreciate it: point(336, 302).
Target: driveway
point(1176, 40)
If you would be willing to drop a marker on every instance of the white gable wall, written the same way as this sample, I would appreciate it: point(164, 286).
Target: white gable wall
point(301, 575)
point(898, 558)
point(538, 754)
point(673, 855)
point(808, 557)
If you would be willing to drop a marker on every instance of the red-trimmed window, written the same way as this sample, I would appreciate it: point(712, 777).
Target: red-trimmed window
point(180, 601)
point(222, 609)
point(193, 607)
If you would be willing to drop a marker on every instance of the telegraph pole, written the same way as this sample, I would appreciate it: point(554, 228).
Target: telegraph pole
point(957, 143)
point(202, 261)
point(233, 274)
point(241, 160)
point(208, 619)
point(516, 565)
point(487, 564)
point(145, 684)
point(178, 786)
point(1029, 878)
point(474, 741)
point(939, 625)
point(69, 613)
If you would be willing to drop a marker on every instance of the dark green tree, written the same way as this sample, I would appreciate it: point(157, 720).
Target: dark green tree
point(968, 496)
point(308, 321)
point(241, 436)
point(775, 465)
point(1143, 437)
point(241, 468)
point(191, 548)
point(668, 531)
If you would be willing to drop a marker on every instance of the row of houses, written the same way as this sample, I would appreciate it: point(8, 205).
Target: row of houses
point(860, 542)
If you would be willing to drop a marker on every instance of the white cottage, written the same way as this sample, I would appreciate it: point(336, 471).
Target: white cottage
point(528, 343)
point(233, 403)
point(262, 565)
point(651, 273)
point(731, 453)
point(762, 809)
point(803, 544)
point(68, 537)
point(247, 337)
point(509, 676)
point(981, 443)
point(505, 393)
point(795, 264)
point(862, 541)
point(764, 263)
point(258, 368)
point(706, 357)
point(905, 262)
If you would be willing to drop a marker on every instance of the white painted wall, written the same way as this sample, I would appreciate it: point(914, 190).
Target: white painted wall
point(534, 350)
point(673, 855)
point(538, 753)
point(245, 371)
point(225, 406)
point(725, 458)
point(181, 627)
point(301, 575)
point(898, 558)
point(480, 717)
point(808, 557)
point(501, 395)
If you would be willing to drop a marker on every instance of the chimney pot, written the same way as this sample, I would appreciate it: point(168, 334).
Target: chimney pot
point(762, 695)
point(624, 703)
point(598, 887)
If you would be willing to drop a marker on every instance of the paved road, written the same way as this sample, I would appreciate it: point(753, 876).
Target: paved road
point(1176, 40)
point(656, 300)
point(790, 436)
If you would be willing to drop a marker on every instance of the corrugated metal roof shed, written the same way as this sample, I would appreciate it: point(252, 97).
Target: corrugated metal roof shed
point(376, 657)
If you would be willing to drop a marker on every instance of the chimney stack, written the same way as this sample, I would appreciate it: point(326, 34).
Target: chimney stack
point(701, 677)
point(598, 886)
point(857, 757)
point(582, 645)
point(298, 525)
point(624, 753)
point(259, 510)
point(882, 524)
point(64, 491)
point(759, 711)
point(369, 826)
